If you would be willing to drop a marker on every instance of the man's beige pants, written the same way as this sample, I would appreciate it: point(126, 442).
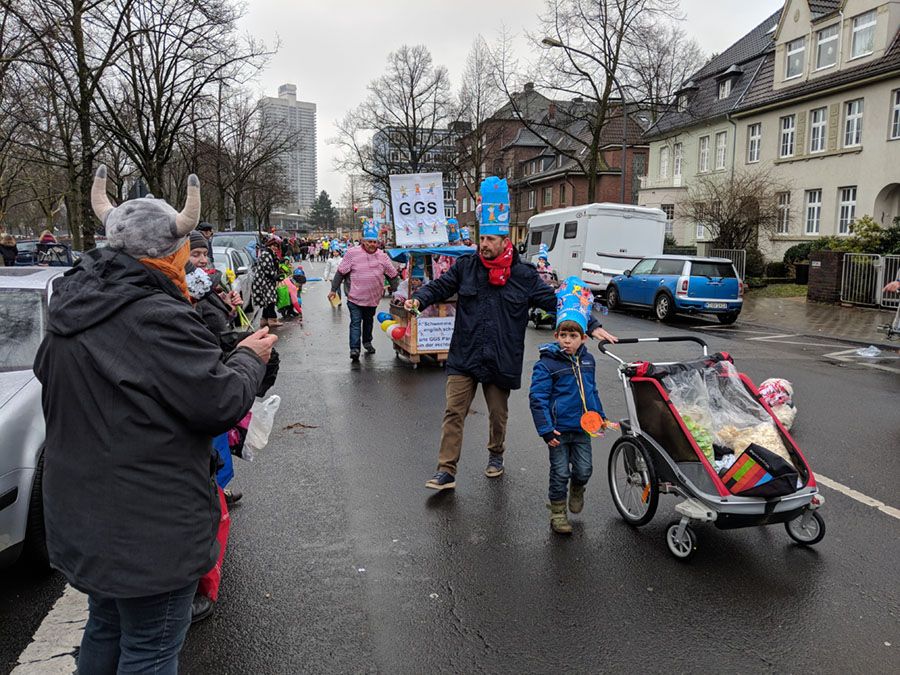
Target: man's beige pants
point(460, 394)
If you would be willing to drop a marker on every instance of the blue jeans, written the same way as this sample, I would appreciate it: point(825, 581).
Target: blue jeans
point(361, 321)
point(136, 635)
point(570, 459)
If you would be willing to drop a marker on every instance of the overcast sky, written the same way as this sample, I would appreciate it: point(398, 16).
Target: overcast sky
point(332, 50)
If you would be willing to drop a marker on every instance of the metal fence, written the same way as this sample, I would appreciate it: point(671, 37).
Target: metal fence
point(865, 275)
point(738, 256)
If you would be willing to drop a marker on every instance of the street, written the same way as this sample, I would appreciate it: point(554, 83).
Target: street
point(341, 561)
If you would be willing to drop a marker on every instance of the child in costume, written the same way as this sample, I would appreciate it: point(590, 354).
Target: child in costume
point(565, 404)
point(545, 269)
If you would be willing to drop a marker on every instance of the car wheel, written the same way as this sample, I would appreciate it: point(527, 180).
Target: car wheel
point(612, 298)
point(728, 318)
point(34, 548)
point(664, 307)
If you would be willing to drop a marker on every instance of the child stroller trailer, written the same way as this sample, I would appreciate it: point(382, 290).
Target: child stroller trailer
point(657, 453)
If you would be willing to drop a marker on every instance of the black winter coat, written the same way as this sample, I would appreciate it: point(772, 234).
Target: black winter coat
point(134, 389)
point(9, 254)
point(489, 333)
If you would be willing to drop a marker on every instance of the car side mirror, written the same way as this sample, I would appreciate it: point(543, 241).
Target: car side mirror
point(627, 273)
point(242, 270)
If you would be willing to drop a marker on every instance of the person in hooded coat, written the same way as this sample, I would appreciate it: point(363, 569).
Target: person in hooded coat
point(131, 511)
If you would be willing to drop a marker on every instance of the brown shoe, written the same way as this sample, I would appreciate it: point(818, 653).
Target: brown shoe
point(576, 498)
point(558, 520)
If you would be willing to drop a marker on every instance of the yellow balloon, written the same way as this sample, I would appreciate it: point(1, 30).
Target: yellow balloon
point(386, 324)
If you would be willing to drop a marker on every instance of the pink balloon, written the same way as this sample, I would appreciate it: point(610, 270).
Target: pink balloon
point(398, 332)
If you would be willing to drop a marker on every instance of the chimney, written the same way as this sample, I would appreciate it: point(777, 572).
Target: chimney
point(551, 112)
point(529, 86)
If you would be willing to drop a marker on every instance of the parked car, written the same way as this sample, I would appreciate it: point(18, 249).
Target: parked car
point(24, 294)
point(239, 262)
point(238, 240)
point(50, 255)
point(673, 285)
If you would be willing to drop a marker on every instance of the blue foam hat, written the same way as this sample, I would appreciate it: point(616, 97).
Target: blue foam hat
point(493, 216)
point(574, 301)
point(464, 233)
point(452, 230)
point(544, 252)
point(370, 230)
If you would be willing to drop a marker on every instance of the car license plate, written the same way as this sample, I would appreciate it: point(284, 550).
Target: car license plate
point(716, 305)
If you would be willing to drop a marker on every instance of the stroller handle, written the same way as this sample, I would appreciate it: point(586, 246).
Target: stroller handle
point(667, 338)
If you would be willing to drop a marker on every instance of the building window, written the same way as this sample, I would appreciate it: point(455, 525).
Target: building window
point(721, 149)
point(754, 140)
point(724, 89)
point(704, 154)
point(796, 58)
point(818, 125)
point(562, 194)
point(669, 210)
point(679, 155)
point(853, 123)
point(895, 115)
point(846, 209)
point(783, 226)
point(863, 35)
point(826, 47)
point(664, 162)
point(701, 231)
point(813, 211)
point(788, 133)
point(531, 199)
point(548, 196)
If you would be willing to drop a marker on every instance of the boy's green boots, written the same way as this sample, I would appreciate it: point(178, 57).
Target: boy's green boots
point(558, 520)
point(576, 498)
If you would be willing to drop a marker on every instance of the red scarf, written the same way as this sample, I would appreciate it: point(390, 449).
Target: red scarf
point(500, 267)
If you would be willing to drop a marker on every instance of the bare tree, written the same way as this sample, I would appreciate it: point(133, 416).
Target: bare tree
point(735, 209)
point(397, 128)
point(266, 188)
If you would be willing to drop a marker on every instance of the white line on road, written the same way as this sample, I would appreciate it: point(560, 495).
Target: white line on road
point(858, 496)
point(845, 357)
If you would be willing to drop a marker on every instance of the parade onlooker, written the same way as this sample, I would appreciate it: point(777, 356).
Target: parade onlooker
point(367, 267)
point(8, 250)
point(331, 268)
point(495, 290)
point(563, 391)
point(265, 280)
point(128, 373)
point(47, 238)
point(207, 231)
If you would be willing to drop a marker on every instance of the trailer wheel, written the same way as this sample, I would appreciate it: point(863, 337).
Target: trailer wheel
point(807, 529)
point(632, 481)
point(682, 547)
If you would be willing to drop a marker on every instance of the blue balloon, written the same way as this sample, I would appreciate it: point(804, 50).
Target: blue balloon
point(384, 316)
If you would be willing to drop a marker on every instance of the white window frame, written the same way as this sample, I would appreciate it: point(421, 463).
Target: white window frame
point(703, 163)
point(853, 122)
point(531, 200)
point(783, 225)
point(701, 231)
point(682, 102)
point(813, 219)
point(724, 89)
point(790, 51)
point(820, 42)
point(544, 200)
point(818, 130)
point(846, 208)
point(754, 142)
point(678, 155)
point(895, 115)
point(664, 162)
point(721, 150)
point(787, 139)
point(562, 194)
point(858, 27)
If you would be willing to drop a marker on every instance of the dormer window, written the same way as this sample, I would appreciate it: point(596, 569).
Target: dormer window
point(863, 35)
point(682, 103)
point(724, 89)
point(826, 47)
point(796, 59)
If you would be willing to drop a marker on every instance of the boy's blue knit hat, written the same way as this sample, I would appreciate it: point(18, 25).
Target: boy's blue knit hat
point(574, 301)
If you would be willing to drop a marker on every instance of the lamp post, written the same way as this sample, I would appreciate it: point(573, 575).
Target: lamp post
point(552, 42)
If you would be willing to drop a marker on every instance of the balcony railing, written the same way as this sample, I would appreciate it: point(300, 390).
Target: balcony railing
point(648, 182)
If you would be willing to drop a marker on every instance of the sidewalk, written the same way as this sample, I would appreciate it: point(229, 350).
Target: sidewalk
point(797, 316)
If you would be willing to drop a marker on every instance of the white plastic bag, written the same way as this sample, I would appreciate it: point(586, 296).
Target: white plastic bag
point(261, 420)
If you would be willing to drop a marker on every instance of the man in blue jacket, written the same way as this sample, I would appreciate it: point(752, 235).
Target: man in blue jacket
point(495, 290)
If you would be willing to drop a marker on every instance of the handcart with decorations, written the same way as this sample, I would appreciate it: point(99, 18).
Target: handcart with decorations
point(425, 338)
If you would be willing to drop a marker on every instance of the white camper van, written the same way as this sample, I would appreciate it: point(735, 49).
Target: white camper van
point(596, 241)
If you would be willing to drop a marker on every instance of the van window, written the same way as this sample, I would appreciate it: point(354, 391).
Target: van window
point(571, 230)
point(716, 270)
point(668, 267)
point(541, 234)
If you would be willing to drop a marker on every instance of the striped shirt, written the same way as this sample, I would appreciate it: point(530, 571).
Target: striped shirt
point(367, 272)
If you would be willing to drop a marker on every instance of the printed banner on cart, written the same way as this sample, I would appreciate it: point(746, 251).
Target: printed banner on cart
point(418, 209)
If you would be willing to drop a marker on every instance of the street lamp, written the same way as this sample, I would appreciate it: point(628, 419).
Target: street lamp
point(553, 42)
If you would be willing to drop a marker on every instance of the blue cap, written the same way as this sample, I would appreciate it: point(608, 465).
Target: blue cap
point(493, 215)
point(574, 301)
point(544, 252)
point(464, 233)
point(452, 230)
point(370, 230)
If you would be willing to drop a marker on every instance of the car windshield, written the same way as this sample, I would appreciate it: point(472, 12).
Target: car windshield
point(716, 270)
point(233, 239)
point(21, 327)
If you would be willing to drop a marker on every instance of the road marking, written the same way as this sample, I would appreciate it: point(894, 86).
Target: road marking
point(56, 639)
point(858, 496)
point(845, 357)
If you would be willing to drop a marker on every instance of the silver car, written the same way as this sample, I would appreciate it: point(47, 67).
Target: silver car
point(240, 262)
point(24, 293)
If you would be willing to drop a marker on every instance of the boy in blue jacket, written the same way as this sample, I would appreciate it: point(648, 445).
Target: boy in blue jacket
point(563, 394)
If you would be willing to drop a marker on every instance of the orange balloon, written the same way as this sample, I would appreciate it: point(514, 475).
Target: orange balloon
point(591, 422)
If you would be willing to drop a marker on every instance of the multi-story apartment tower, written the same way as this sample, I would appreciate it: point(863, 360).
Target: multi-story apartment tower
point(298, 119)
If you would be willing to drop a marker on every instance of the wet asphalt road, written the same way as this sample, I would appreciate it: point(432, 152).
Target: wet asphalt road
point(341, 561)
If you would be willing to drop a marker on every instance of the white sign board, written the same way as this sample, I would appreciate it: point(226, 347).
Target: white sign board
point(434, 334)
point(418, 208)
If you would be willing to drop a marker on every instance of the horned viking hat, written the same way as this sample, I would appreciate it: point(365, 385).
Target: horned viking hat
point(145, 227)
